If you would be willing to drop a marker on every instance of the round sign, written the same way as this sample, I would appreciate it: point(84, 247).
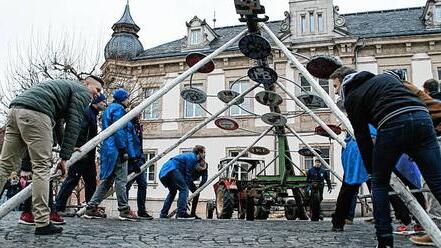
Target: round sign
point(227, 96)
point(194, 58)
point(307, 153)
point(194, 95)
point(312, 101)
point(323, 66)
point(322, 132)
point(269, 98)
point(255, 46)
point(263, 75)
point(259, 150)
point(226, 124)
point(274, 119)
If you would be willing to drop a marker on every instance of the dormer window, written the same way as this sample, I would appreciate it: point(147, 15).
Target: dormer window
point(438, 13)
point(195, 36)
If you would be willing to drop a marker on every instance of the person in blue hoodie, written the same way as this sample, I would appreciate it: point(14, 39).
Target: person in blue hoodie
point(114, 154)
point(177, 175)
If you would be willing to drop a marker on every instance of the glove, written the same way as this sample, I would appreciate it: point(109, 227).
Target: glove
point(137, 169)
point(123, 156)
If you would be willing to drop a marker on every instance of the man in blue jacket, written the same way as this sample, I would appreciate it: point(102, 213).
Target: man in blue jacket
point(177, 174)
point(114, 154)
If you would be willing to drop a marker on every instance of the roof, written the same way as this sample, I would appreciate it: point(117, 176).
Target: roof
point(386, 23)
point(396, 22)
point(126, 20)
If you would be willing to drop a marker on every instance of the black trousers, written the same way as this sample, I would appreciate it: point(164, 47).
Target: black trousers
point(344, 202)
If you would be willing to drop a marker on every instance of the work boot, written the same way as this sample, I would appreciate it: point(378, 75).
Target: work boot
point(144, 215)
point(48, 229)
point(184, 216)
point(127, 214)
point(56, 219)
point(26, 218)
point(93, 212)
point(195, 216)
point(422, 240)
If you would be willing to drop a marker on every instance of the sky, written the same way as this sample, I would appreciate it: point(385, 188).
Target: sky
point(26, 21)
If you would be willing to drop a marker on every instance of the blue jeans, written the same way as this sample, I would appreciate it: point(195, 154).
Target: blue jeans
point(410, 133)
point(175, 181)
point(141, 180)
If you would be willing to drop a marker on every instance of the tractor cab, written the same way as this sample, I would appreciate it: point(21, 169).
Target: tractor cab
point(244, 169)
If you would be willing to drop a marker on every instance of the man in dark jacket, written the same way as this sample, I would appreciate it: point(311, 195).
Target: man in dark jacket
point(86, 167)
point(431, 87)
point(404, 126)
point(29, 127)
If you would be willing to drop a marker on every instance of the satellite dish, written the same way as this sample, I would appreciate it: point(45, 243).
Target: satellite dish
point(259, 150)
point(269, 98)
point(263, 75)
point(226, 124)
point(194, 58)
point(194, 95)
point(307, 153)
point(227, 96)
point(319, 130)
point(312, 100)
point(255, 46)
point(323, 66)
point(274, 119)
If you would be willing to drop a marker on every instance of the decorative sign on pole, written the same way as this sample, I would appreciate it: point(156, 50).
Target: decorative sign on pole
point(255, 46)
point(194, 95)
point(259, 150)
point(323, 66)
point(308, 153)
point(194, 58)
point(274, 119)
point(321, 131)
point(263, 75)
point(227, 96)
point(269, 98)
point(312, 100)
point(226, 124)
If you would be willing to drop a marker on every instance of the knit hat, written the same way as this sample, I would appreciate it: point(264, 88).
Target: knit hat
point(99, 98)
point(119, 95)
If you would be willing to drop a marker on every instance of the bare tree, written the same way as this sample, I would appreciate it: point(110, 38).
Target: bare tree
point(63, 57)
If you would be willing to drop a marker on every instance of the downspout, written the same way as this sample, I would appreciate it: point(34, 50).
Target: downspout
point(356, 50)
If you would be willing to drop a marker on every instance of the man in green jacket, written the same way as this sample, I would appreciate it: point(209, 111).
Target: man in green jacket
point(29, 127)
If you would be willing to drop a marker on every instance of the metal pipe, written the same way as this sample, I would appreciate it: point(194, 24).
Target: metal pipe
point(314, 116)
point(314, 84)
point(413, 191)
point(26, 193)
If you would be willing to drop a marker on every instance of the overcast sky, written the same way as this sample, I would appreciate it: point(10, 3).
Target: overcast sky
point(160, 21)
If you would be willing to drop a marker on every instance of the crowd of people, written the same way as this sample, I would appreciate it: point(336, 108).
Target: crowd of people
point(395, 124)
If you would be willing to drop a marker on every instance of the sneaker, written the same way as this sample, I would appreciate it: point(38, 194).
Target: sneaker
point(418, 228)
point(67, 213)
point(48, 230)
point(422, 240)
point(403, 230)
point(184, 216)
point(144, 215)
point(26, 218)
point(56, 219)
point(94, 213)
point(195, 216)
point(128, 215)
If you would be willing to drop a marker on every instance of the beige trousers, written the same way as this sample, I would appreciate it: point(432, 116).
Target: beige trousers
point(31, 130)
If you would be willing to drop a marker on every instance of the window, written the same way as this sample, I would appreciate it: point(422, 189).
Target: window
point(311, 22)
point(308, 162)
point(151, 171)
point(438, 13)
point(240, 170)
point(305, 84)
point(192, 110)
point(320, 22)
point(240, 87)
point(195, 37)
point(152, 111)
point(303, 23)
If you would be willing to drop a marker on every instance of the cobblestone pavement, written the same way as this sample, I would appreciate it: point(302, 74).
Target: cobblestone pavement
point(80, 232)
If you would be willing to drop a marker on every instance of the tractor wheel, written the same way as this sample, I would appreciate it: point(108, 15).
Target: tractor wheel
point(261, 213)
point(315, 206)
point(210, 209)
point(249, 208)
point(224, 203)
point(290, 210)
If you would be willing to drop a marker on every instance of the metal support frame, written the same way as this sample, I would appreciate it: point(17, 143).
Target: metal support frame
point(27, 192)
point(396, 184)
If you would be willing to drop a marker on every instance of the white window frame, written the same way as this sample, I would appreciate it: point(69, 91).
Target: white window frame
point(310, 160)
point(308, 88)
point(437, 13)
point(195, 36)
point(247, 104)
point(150, 154)
point(303, 23)
point(194, 107)
point(311, 22)
point(152, 112)
point(320, 23)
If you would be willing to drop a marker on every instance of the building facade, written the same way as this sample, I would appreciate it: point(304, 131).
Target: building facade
point(375, 41)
